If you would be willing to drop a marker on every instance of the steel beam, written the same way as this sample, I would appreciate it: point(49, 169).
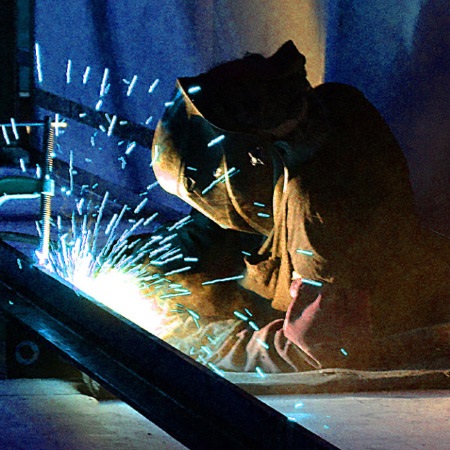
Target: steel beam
point(199, 408)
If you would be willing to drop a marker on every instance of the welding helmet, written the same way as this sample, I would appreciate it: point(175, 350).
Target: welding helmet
point(228, 176)
point(214, 147)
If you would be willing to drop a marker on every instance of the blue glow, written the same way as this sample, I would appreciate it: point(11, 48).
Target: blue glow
point(153, 86)
point(263, 344)
point(172, 272)
point(216, 369)
point(68, 71)
point(241, 316)
point(260, 372)
point(344, 352)
point(112, 125)
point(253, 325)
point(98, 105)
point(305, 252)
point(104, 81)
point(194, 89)
point(260, 214)
point(5, 135)
point(131, 86)
point(130, 147)
point(312, 282)
point(14, 128)
point(222, 280)
point(86, 75)
point(262, 205)
point(216, 140)
point(37, 51)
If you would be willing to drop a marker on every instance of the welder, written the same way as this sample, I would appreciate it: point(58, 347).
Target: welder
point(305, 194)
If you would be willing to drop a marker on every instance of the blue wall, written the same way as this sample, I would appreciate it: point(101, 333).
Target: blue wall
point(395, 52)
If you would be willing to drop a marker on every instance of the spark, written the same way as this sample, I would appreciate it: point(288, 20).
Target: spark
point(261, 205)
point(149, 119)
point(305, 252)
point(153, 86)
point(190, 259)
point(123, 162)
point(153, 185)
point(86, 74)
point(140, 206)
point(98, 105)
point(82, 115)
point(260, 372)
point(180, 222)
point(68, 71)
point(248, 312)
point(131, 86)
point(260, 214)
point(253, 325)
point(312, 282)
point(344, 352)
point(194, 89)
point(262, 343)
point(112, 124)
point(14, 128)
point(183, 269)
point(241, 316)
point(191, 168)
point(104, 81)
point(19, 263)
point(215, 369)
point(168, 104)
point(22, 165)
point(5, 135)
point(37, 51)
point(222, 280)
point(228, 173)
point(130, 147)
point(216, 140)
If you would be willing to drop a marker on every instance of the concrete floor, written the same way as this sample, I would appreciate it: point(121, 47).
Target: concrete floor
point(49, 414)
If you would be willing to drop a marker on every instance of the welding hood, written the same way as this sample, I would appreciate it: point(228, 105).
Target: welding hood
point(228, 176)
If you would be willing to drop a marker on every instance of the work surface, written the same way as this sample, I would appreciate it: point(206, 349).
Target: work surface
point(52, 414)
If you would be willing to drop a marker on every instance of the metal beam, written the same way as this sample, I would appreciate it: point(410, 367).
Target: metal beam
point(197, 407)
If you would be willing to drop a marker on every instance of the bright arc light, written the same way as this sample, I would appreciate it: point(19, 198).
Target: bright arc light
point(121, 292)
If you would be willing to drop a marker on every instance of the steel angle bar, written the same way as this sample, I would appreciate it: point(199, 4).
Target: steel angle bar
point(196, 406)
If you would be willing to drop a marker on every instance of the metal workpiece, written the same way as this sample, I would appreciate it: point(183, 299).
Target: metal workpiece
point(196, 406)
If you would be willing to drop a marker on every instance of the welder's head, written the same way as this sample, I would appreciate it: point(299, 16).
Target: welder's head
point(213, 146)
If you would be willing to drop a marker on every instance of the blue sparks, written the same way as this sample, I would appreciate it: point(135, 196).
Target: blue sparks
point(153, 86)
point(86, 74)
point(344, 352)
point(183, 269)
point(260, 372)
point(260, 214)
point(131, 86)
point(253, 325)
point(216, 140)
point(241, 316)
point(261, 205)
point(305, 252)
point(262, 343)
point(215, 369)
point(37, 51)
point(222, 280)
point(68, 71)
point(194, 89)
point(104, 82)
point(130, 147)
point(312, 282)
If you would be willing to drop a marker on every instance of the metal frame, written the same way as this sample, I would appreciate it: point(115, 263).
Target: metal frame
point(197, 407)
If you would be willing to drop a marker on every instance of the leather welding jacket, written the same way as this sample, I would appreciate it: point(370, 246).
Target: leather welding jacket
point(353, 265)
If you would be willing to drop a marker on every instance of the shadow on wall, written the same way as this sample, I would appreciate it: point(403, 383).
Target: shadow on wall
point(420, 112)
point(397, 54)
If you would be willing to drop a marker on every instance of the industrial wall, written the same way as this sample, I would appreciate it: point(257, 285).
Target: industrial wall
point(122, 58)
